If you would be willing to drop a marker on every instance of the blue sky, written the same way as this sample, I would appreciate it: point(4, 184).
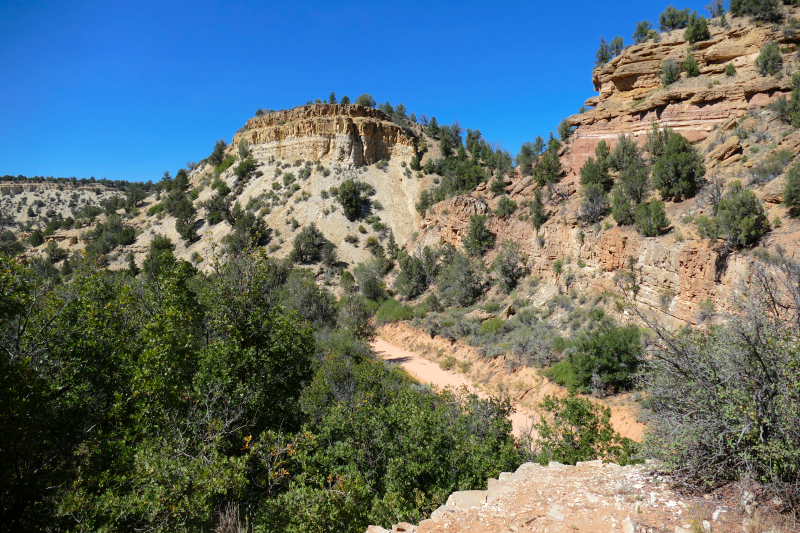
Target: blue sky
point(127, 90)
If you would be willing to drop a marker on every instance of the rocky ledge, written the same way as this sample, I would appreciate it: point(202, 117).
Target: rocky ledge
point(631, 95)
point(591, 496)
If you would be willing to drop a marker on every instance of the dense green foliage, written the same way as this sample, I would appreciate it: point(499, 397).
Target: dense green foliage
point(308, 245)
point(595, 172)
point(505, 207)
point(579, 431)
point(354, 197)
point(642, 32)
point(650, 218)
point(673, 18)
point(740, 219)
point(690, 66)
point(459, 281)
point(156, 402)
point(548, 168)
point(509, 264)
point(478, 238)
point(697, 29)
point(605, 53)
point(603, 359)
point(760, 10)
point(538, 213)
point(678, 173)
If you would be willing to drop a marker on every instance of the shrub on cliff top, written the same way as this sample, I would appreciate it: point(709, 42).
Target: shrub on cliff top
point(673, 18)
point(760, 10)
point(642, 32)
point(697, 30)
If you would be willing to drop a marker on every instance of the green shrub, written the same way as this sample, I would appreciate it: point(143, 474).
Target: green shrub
point(509, 266)
point(642, 32)
point(353, 196)
point(564, 130)
point(497, 186)
point(603, 359)
point(492, 326)
point(730, 70)
point(769, 60)
point(478, 238)
point(691, 67)
point(740, 217)
point(538, 213)
point(723, 402)
point(580, 431)
point(226, 164)
point(595, 172)
point(650, 218)
point(393, 311)
point(697, 29)
point(308, 245)
point(670, 72)
point(448, 363)
point(595, 203)
point(678, 173)
point(791, 191)
point(218, 154)
point(672, 19)
point(366, 100)
point(621, 208)
point(36, 238)
point(603, 54)
point(760, 10)
point(548, 169)
point(505, 207)
point(458, 282)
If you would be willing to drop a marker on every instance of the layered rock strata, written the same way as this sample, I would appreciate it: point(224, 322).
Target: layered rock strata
point(631, 95)
point(351, 135)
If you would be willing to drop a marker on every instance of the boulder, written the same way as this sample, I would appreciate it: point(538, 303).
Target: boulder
point(773, 191)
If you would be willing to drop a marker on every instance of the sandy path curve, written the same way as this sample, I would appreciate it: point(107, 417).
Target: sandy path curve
point(426, 371)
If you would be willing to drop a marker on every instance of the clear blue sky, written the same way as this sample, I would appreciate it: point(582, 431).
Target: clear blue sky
point(127, 90)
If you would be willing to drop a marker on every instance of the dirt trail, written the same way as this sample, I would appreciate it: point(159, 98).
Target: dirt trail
point(426, 371)
point(419, 354)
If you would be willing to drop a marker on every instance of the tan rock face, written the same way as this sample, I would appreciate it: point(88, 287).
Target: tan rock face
point(632, 97)
point(674, 277)
point(350, 135)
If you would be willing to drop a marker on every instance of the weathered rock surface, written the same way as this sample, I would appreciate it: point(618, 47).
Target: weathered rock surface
point(588, 497)
point(351, 135)
point(632, 97)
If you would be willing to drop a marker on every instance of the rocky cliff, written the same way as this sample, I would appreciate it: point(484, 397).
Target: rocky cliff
point(631, 95)
point(351, 135)
point(726, 119)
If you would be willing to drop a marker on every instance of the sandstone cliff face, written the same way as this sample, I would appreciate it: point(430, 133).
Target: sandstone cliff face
point(350, 135)
point(631, 96)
